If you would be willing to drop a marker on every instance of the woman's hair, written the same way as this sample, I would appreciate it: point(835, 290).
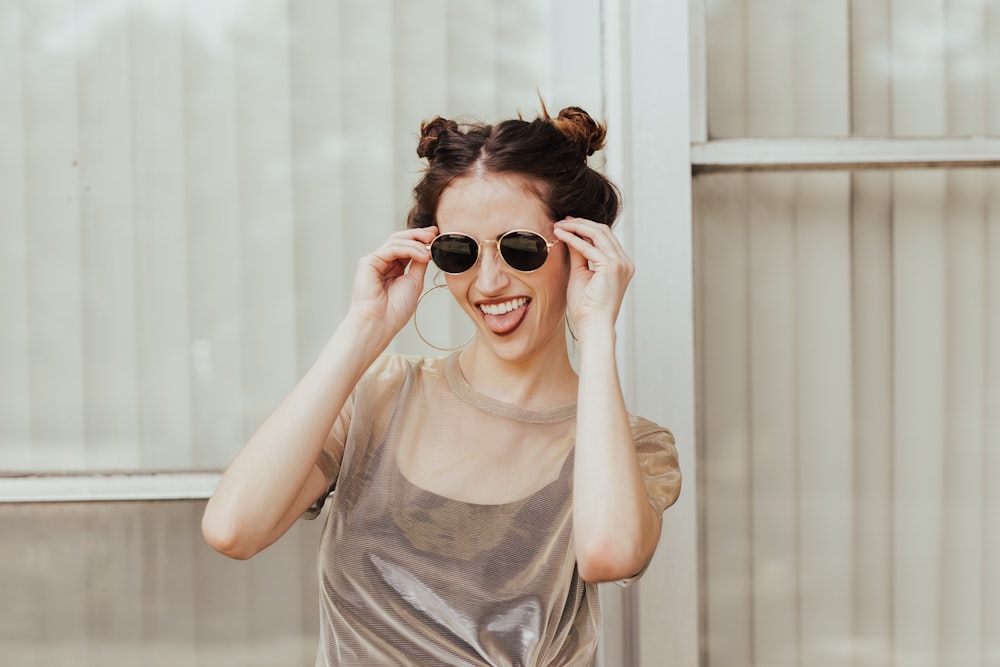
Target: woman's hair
point(551, 152)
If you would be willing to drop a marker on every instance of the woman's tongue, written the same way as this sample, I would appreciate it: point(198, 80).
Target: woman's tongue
point(504, 322)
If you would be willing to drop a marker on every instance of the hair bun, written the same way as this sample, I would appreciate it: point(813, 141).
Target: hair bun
point(579, 128)
point(430, 131)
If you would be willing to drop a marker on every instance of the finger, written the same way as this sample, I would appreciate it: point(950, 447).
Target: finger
point(419, 237)
point(416, 273)
point(580, 246)
point(422, 234)
point(400, 251)
point(597, 234)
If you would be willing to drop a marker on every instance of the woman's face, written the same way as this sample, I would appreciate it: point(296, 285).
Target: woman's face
point(517, 315)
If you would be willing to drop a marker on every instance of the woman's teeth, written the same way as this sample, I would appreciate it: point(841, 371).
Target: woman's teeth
point(501, 308)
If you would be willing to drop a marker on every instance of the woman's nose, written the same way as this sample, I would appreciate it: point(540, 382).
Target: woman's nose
point(492, 276)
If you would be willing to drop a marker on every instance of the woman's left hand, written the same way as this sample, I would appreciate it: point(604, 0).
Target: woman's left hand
point(600, 271)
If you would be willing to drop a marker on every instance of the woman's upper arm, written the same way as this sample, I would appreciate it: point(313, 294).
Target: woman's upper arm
point(315, 488)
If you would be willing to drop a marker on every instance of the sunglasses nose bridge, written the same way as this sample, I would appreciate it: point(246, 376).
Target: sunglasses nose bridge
point(490, 242)
point(496, 257)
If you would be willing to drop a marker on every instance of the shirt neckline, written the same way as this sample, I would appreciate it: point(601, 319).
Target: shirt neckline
point(463, 390)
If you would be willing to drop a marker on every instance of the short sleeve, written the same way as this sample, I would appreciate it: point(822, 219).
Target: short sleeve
point(658, 461)
point(661, 471)
point(373, 392)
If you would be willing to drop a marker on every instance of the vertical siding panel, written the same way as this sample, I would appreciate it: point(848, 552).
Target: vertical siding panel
point(21, 580)
point(991, 54)
point(919, 102)
point(222, 603)
point(522, 55)
point(577, 79)
point(871, 90)
point(871, 115)
point(161, 240)
point(699, 297)
point(990, 594)
point(961, 606)
point(727, 86)
point(991, 409)
point(275, 596)
point(822, 69)
point(366, 35)
point(112, 581)
point(919, 109)
point(324, 264)
point(367, 50)
point(51, 191)
point(770, 58)
point(212, 211)
point(167, 537)
point(63, 592)
point(920, 316)
point(725, 464)
point(873, 410)
point(773, 421)
point(823, 366)
point(267, 246)
point(967, 66)
point(267, 327)
point(108, 256)
point(472, 37)
point(420, 92)
point(15, 406)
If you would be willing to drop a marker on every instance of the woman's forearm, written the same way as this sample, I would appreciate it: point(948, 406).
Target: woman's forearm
point(615, 527)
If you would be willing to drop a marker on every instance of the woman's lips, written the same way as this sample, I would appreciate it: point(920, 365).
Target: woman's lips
point(502, 317)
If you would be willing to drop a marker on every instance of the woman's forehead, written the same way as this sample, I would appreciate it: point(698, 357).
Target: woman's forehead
point(504, 201)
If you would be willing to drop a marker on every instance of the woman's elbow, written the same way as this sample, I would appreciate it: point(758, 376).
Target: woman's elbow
point(221, 533)
point(610, 560)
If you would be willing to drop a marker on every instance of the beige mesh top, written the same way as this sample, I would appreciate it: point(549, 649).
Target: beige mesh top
point(449, 535)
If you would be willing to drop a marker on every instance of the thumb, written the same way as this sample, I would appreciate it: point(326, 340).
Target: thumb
point(577, 261)
point(416, 272)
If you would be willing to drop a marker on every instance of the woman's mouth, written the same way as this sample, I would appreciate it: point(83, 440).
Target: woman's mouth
point(502, 317)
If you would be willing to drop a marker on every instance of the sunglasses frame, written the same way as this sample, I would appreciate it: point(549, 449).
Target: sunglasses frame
point(496, 242)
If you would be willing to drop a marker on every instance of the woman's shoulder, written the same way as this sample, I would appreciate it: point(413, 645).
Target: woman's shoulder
point(393, 367)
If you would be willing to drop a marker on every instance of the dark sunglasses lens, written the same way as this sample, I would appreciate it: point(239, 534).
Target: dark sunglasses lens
point(454, 253)
point(524, 251)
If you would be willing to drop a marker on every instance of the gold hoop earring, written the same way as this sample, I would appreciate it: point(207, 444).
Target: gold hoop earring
point(569, 327)
point(416, 327)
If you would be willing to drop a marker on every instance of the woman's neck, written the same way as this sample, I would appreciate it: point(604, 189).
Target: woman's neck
point(543, 380)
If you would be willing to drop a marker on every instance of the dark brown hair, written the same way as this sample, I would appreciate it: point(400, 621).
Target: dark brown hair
point(551, 152)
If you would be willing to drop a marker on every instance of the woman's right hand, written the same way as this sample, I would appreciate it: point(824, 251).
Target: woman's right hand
point(388, 281)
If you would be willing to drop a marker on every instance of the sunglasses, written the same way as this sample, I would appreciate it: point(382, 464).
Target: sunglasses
point(521, 249)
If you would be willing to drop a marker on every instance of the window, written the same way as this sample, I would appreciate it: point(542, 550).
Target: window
point(847, 333)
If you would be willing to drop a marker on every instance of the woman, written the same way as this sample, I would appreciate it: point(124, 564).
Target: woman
point(476, 499)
